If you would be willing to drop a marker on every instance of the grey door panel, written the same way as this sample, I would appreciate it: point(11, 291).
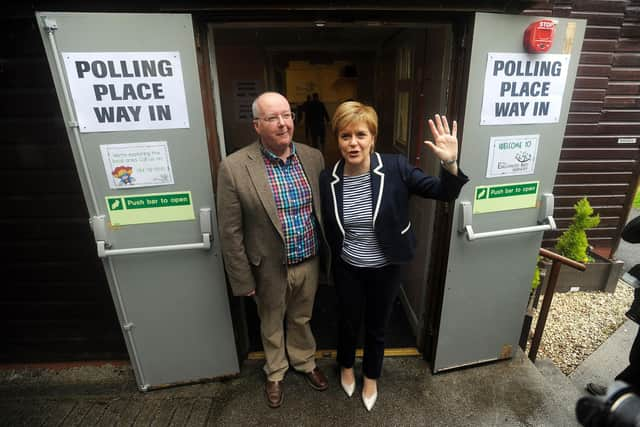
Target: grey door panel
point(172, 304)
point(489, 279)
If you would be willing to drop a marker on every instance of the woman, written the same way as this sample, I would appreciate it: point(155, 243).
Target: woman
point(365, 199)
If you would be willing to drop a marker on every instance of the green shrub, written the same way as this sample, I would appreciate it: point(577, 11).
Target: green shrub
point(573, 242)
point(536, 275)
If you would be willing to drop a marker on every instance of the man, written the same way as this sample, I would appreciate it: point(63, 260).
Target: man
point(301, 116)
point(316, 116)
point(272, 238)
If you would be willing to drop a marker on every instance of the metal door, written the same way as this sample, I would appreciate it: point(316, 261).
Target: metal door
point(129, 91)
point(513, 132)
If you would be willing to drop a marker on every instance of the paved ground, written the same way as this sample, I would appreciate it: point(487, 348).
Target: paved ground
point(508, 393)
point(608, 360)
point(613, 355)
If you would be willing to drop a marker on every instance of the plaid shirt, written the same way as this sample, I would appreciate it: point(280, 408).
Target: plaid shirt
point(292, 194)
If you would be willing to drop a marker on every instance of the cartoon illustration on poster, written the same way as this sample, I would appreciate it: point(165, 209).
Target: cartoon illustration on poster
point(140, 164)
point(124, 174)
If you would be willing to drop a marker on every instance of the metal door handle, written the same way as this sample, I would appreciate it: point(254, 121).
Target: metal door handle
point(545, 218)
point(99, 230)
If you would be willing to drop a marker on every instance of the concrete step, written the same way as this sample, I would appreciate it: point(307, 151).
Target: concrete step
point(559, 385)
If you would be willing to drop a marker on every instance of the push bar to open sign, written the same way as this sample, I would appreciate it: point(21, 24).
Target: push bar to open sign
point(545, 219)
point(99, 230)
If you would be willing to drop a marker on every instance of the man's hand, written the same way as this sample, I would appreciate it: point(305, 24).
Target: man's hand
point(250, 294)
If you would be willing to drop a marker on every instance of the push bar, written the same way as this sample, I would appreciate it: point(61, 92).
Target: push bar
point(99, 230)
point(545, 219)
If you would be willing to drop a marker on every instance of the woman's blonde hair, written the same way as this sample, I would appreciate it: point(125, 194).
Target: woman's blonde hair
point(351, 112)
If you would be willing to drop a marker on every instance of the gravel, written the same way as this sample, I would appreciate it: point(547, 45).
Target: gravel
point(579, 322)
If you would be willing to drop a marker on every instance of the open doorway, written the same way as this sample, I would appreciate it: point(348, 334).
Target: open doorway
point(403, 72)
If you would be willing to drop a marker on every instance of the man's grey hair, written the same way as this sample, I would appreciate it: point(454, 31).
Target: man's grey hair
point(255, 110)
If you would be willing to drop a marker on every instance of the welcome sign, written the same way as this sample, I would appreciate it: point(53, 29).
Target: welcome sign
point(523, 89)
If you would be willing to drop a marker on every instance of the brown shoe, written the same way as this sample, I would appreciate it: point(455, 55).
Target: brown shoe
point(274, 391)
point(317, 380)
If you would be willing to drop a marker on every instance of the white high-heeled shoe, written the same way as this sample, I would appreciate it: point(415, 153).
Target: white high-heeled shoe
point(369, 401)
point(348, 388)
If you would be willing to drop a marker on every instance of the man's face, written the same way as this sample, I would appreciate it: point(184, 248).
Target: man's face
point(275, 124)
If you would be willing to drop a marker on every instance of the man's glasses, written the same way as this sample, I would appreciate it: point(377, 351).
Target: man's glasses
point(273, 119)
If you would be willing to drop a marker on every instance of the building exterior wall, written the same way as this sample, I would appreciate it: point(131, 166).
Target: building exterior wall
point(600, 153)
point(56, 303)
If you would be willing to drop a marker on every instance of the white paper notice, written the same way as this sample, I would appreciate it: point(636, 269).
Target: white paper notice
point(140, 164)
point(512, 155)
point(120, 91)
point(522, 89)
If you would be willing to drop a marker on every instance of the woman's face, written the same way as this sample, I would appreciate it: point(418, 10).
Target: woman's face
point(356, 143)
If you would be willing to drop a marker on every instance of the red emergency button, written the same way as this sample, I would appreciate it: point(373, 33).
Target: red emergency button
point(538, 37)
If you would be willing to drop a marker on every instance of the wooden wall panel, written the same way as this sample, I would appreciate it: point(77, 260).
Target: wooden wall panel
point(600, 18)
point(582, 117)
point(592, 190)
point(594, 70)
point(609, 6)
point(623, 88)
point(624, 74)
point(600, 141)
point(602, 200)
point(623, 101)
point(593, 177)
point(630, 29)
point(599, 45)
point(603, 58)
point(599, 159)
point(626, 59)
point(588, 94)
point(612, 154)
point(584, 106)
point(589, 82)
point(597, 166)
point(621, 116)
point(602, 32)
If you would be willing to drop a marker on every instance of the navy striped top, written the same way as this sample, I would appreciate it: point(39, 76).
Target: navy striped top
point(360, 247)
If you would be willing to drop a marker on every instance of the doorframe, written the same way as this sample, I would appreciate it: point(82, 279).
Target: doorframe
point(462, 27)
point(460, 66)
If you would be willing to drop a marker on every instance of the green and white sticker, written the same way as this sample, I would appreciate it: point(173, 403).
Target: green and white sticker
point(150, 208)
point(505, 197)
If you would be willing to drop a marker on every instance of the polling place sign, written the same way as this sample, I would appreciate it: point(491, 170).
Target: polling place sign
point(522, 89)
point(120, 91)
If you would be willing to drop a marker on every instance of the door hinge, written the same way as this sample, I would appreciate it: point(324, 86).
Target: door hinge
point(49, 24)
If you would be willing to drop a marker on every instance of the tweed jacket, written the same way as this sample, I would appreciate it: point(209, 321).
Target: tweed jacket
point(393, 181)
point(251, 235)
